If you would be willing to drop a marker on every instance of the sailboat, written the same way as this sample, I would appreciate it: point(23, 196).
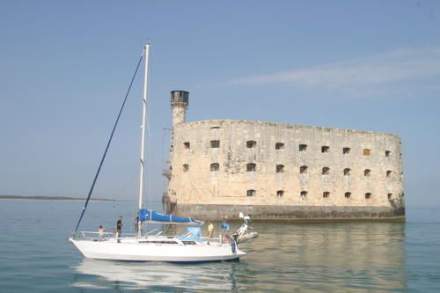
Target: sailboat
point(152, 245)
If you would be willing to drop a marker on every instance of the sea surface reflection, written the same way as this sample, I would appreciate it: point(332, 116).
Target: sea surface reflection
point(346, 257)
point(353, 257)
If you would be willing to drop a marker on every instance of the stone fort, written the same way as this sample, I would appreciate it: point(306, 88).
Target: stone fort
point(283, 172)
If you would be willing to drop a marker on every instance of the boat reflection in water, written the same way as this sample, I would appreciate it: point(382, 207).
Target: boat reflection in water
point(353, 257)
point(154, 275)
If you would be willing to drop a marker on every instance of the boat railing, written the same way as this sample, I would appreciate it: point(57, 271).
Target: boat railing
point(91, 235)
point(94, 235)
point(213, 240)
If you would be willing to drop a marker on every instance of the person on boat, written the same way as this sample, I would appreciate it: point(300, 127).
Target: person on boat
point(101, 232)
point(225, 228)
point(224, 225)
point(228, 239)
point(210, 230)
point(118, 228)
point(136, 224)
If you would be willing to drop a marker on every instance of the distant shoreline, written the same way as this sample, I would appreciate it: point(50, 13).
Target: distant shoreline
point(43, 197)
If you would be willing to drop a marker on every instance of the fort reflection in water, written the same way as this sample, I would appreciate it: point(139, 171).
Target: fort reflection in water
point(349, 256)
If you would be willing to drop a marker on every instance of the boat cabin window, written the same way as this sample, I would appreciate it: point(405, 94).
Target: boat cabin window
point(159, 241)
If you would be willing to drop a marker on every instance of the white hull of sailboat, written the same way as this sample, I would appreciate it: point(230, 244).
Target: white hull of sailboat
point(134, 250)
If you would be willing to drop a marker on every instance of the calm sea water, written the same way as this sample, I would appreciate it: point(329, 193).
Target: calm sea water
point(35, 256)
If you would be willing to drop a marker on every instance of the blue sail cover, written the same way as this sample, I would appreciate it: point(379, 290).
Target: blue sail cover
point(153, 216)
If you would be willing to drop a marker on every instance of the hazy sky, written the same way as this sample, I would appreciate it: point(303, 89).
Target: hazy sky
point(65, 65)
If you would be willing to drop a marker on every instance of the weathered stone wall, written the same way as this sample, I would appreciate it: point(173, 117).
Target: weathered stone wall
point(289, 213)
point(196, 183)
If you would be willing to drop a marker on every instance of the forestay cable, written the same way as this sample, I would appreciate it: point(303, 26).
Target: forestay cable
point(108, 144)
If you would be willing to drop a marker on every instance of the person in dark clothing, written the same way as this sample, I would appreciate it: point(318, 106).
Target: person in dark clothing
point(136, 224)
point(118, 228)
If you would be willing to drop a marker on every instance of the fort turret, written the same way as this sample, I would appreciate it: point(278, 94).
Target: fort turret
point(179, 104)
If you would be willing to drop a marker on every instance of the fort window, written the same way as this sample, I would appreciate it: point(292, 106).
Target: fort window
point(347, 171)
point(389, 172)
point(367, 195)
point(215, 144)
point(367, 172)
point(325, 149)
point(251, 144)
point(251, 167)
point(251, 192)
point(325, 171)
point(346, 150)
point(326, 194)
point(303, 169)
point(390, 195)
point(387, 153)
point(185, 167)
point(187, 145)
point(366, 152)
point(303, 194)
point(280, 193)
point(279, 146)
point(279, 168)
point(302, 147)
point(214, 167)
point(347, 194)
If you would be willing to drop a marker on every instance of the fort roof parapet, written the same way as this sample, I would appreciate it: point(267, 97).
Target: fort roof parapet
point(221, 122)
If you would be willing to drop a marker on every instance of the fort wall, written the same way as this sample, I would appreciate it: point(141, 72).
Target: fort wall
point(282, 171)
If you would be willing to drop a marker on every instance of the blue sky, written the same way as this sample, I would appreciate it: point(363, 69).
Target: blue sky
point(65, 65)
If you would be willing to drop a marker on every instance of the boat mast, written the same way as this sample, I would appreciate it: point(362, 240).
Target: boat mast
point(144, 112)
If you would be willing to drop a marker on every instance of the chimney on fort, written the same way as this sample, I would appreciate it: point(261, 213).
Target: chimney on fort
point(179, 103)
